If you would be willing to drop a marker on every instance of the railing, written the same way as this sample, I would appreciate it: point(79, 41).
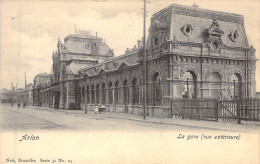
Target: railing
point(213, 109)
point(205, 109)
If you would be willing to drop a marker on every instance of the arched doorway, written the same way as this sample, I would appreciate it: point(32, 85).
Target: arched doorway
point(97, 94)
point(214, 85)
point(135, 91)
point(93, 94)
point(88, 95)
point(103, 94)
point(110, 93)
point(116, 91)
point(189, 86)
point(125, 91)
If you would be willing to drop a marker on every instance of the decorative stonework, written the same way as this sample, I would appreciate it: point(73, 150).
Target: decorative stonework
point(213, 37)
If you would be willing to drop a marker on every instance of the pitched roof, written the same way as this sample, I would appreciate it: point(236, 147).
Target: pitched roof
point(128, 59)
point(4, 90)
point(177, 17)
point(85, 44)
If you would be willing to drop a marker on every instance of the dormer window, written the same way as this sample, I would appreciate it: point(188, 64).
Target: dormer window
point(88, 46)
point(187, 29)
point(234, 36)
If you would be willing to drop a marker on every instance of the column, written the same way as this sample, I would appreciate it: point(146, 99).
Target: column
point(71, 95)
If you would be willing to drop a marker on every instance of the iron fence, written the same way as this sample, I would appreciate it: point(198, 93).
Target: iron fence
point(214, 109)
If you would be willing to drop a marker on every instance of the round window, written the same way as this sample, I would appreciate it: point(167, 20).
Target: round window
point(88, 46)
point(234, 36)
point(187, 29)
point(214, 46)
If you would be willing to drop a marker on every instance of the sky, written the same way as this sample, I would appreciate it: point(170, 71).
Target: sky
point(30, 29)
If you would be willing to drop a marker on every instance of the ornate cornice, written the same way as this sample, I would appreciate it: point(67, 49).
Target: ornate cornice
point(202, 13)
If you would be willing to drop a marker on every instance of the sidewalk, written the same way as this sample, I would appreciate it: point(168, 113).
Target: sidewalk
point(249, 126)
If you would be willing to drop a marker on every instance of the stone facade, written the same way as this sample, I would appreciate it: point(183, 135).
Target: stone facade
point(191, 53)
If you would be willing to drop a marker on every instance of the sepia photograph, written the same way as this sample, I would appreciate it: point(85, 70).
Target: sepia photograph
point(137, 81)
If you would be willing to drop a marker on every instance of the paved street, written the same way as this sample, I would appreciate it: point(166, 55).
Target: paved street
point(30, 118)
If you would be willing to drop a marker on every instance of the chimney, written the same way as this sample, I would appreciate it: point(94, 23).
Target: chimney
point(194, 5)
point(127, 50)
point(25, 82)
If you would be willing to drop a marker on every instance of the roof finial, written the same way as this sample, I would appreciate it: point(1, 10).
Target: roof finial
point(194, 5)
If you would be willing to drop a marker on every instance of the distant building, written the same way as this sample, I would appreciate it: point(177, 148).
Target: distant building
point(25, 96)
point(5, 95)
point(78, 51)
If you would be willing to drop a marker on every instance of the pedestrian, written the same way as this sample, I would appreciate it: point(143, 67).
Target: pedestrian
point(18, 105)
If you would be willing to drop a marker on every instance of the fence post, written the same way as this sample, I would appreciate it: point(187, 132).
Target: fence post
point(198, 106)
point(216, 109)
point(182, 106)
point(238, 112)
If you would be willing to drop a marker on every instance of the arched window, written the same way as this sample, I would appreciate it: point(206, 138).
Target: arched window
point(125, 92)
point(116, 92)
point(88, 95)
point(92, 94)
point(103, 93)
point(189, 86)
point(235, 86)
point(135, 91)
point(110, 93)
point(156, 88)
point(97, 93)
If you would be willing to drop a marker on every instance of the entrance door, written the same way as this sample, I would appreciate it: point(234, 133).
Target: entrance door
point(56, 100)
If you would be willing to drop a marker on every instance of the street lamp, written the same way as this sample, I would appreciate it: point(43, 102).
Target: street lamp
point(144, 64)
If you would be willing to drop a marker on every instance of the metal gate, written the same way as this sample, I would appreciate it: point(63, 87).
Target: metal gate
point(212, 109)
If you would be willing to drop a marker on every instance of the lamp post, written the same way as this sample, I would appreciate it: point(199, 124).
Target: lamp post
point(144, 65)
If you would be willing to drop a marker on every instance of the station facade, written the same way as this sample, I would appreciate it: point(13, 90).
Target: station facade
point(191, 53)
